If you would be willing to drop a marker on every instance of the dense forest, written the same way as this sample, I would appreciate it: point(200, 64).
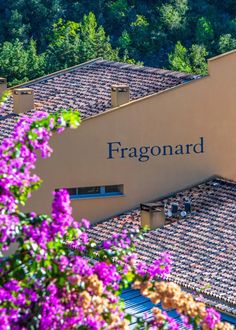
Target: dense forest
point(41, 36)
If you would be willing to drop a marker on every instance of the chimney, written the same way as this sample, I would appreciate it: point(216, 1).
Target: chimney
point(23, 100)
point(120, 94)
point(152, 215)
point(3, 85)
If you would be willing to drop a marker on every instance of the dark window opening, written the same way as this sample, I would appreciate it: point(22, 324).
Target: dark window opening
point(95, 191)
point(88, 190)
point(114, 189)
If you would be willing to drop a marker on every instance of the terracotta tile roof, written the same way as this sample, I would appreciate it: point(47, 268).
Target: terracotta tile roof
point(202, 244)
point(87, 88)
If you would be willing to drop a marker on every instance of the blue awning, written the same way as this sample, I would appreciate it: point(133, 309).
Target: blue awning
point(137, 305)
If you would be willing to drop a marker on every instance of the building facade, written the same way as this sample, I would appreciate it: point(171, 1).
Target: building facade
point(174, 130)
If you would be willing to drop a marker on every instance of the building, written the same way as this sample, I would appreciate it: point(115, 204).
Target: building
point(201, 242)
point(145, 133)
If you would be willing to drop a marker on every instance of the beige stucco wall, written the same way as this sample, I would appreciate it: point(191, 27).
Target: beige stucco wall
point(202, 108)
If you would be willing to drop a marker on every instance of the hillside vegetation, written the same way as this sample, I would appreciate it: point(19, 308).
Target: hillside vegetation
point(41, 36)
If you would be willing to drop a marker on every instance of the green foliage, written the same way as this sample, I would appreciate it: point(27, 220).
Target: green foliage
point(198, 61)
point(204, 31)
point(226, 43)
point(118, 13)
point(95, 43)
point(193, 60)
point(35, 62)
point(16, 28)
point(63, 50)
point(73, 43)
point(125, 40)
point(3, 98)
point(71, 32)
point(19, 62)
point(173, 17)
point(170, 16)
point(182, 6)
point(141, 22)
point(179, 60)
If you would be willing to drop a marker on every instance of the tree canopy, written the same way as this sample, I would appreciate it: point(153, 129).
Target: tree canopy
point(157, 33)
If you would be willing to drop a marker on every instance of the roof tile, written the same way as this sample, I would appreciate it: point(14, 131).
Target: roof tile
point(202, 245)
point(87, 88)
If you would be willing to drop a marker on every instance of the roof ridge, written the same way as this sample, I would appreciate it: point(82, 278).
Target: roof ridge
point(143, 68)
point(56, 73)
point(122, 65)
point(87, 86)
point(227, 180)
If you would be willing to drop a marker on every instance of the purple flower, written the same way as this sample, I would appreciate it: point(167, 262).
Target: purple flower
point(60, 130)
point(185, 321)
point(107, 244)
point(85, 223)
point(40, 115)
point(106, 272)
point(172, 324)
point(141, 268)
point(80, 266)
point(161, 266)
point(63, 263)
point(212, 317)
point(168, 323)
point(12, 285)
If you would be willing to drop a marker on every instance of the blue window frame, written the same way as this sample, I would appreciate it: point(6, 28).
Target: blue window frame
point(96, 191)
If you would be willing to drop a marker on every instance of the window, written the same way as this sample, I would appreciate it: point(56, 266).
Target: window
point(88, 191)
point(96, 191)
point(71, 191)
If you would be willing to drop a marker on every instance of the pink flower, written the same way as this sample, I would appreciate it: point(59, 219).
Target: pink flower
point(212, 317)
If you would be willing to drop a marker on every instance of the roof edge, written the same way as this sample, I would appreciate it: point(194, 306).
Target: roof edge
point(171, 194)
point(203, 181)
point(143, 98)
point(159, 70)
point(124, 64)
point(54, 74)
point(222, 55)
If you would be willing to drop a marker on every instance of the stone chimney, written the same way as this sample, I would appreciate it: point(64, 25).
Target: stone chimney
point(120, 94)
point(23, 100)
point(3, 85)
point(152, 215)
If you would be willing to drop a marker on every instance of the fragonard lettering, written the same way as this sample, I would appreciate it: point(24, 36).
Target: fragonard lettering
point(144, 153)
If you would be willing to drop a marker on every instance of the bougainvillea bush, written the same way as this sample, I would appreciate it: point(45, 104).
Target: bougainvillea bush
point(52, 275)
